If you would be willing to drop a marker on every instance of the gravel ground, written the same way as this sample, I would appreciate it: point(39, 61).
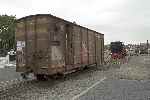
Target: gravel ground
point(130, 81)
point(8, 74)
point(61, 89)
point(138, 68)
point(73, 84)
point(119, 90)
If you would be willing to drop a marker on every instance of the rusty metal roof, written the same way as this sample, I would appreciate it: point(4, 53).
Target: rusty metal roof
point(56, 18)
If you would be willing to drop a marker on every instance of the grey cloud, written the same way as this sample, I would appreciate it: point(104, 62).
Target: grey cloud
point(126, 20)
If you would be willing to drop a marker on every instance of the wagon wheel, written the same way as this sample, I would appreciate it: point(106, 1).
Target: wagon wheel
point(41, 77)
point(24, 76)
point(58, 76)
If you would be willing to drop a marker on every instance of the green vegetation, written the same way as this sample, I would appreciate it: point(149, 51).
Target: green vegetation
point(7, 32)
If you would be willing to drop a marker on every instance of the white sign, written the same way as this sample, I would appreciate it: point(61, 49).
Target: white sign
point(20, 45)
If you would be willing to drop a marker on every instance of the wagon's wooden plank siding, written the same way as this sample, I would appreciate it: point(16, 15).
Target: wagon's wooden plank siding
point(102, 49)
point(69, 45)
point(84, 51)
point(91, 47)
point(20, 36)
point(20, 31)
point(42, 44)
point(30, 41)
point(58, 45)
point(77, 44)
point(98, 48)
point(42, 33)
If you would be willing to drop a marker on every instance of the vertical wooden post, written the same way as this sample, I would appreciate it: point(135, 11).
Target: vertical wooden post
point(81, 48)
point(26, 43)
point(88, 45)
point(95, 46)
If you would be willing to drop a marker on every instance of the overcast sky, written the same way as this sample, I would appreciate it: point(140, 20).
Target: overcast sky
point(124, 20)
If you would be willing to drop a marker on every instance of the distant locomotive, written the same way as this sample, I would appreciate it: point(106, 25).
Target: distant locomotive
point(48, 45)
point(118, 50)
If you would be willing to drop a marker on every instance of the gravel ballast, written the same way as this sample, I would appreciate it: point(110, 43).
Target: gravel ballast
point(73, 84)
point(138, 68)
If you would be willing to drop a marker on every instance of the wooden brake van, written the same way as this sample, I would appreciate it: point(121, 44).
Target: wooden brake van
point(48, 45)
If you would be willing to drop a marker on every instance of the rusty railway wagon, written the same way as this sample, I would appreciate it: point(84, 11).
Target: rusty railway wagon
point(48, 45)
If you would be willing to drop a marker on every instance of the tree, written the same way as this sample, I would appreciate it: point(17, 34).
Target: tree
point(7, 32)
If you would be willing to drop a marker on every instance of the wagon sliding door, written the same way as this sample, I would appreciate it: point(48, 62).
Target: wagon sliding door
point(69, 48)
point(57, 42)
